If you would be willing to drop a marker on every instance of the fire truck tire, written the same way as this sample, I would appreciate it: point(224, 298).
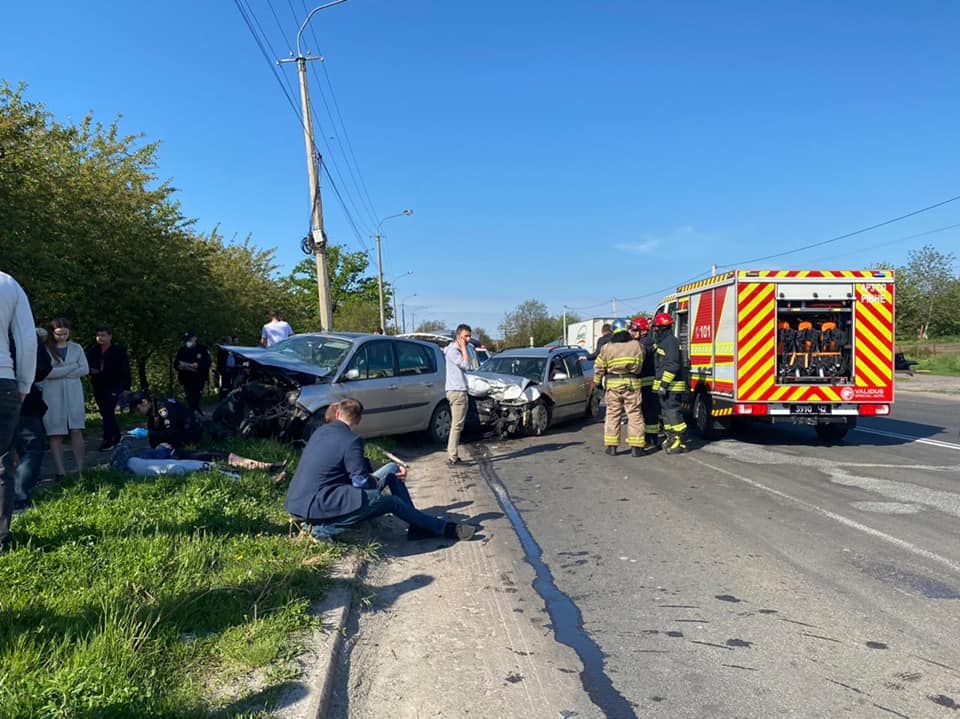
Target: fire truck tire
point(702, 417)
point(834, 432)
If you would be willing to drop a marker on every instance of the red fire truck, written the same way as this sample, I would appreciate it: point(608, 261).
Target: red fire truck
point(809, 347)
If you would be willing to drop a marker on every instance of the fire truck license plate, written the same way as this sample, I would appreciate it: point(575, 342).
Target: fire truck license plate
point(809, 409)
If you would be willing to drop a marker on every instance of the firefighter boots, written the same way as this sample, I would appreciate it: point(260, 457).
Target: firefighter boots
point(611, 450)
point(637, 451)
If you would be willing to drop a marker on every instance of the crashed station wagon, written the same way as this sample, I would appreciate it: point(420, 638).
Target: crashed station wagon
point(529, 390)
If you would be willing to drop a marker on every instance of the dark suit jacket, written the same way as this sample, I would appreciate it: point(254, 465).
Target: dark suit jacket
point(113, 376)
point(322, 488)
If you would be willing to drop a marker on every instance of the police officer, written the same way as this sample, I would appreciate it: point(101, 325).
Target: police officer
point(649, 401)
point(668, 382)
point(168, 421)
point(617, 368)
point(193, 368)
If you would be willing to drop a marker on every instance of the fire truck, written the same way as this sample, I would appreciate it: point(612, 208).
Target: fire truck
point(813, 347)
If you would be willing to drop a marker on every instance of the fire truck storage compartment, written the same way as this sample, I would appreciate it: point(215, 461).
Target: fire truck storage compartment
point(814, 334)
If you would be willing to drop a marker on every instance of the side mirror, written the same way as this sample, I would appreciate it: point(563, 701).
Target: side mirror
point(351, 374)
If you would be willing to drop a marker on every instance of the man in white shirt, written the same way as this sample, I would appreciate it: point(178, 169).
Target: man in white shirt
point(457, 356)
point(17, 368)
point(275, 330)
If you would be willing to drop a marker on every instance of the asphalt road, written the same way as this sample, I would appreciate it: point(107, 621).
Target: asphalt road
point(757, 576)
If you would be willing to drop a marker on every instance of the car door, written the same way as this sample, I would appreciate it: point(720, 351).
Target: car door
point(420, 385)
point(370, 377)
point(566, 392)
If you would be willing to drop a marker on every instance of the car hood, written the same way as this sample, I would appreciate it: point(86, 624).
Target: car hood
point(268, 358)
point(501, 387)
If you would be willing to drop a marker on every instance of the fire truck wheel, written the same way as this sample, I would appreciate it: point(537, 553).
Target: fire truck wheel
point(702, 418)
point(832, 432)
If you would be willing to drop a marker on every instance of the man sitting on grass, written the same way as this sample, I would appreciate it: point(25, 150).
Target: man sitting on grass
point(333, 488)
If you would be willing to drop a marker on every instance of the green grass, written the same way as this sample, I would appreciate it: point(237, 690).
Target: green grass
point(940, 364)
point(168, 597)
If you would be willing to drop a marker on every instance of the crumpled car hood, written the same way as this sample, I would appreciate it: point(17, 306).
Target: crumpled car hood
point(269, 358)
point(502, 387)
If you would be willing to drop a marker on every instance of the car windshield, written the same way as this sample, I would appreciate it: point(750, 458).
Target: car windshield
point(530, 367)
point(324, 352)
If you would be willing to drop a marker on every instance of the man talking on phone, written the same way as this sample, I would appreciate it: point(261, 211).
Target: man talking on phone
point(457, 354)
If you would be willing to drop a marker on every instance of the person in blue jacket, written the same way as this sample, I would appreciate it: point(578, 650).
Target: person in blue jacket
point(333, 488)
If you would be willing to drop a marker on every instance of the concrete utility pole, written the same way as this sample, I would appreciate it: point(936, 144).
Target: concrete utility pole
point(316, 216)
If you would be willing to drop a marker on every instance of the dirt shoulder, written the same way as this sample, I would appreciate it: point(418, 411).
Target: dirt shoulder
point(928, 384)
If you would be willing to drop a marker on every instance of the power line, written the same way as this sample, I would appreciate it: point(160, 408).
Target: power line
point(270, 63)
point(842, 237)
point(353, 170)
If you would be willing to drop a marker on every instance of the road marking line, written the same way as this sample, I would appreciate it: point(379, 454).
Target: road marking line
point(902, 543)
point(920, 440)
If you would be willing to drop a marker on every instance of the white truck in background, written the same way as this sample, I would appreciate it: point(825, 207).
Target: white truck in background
point(586, 333)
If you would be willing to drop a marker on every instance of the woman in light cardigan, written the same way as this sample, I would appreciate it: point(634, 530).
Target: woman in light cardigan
point(63, 394)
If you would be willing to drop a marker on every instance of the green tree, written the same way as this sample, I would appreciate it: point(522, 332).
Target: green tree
point(353, 294)
point(927, 292)
point(529, 320)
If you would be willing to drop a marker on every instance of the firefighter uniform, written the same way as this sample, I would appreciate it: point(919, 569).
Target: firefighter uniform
point(649, 401)
point(668, 384)
point(617, 369)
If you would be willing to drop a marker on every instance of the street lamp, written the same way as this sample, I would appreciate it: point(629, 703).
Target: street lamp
point(379, 236)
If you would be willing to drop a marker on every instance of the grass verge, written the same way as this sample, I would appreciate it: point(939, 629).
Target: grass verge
point(163, 597)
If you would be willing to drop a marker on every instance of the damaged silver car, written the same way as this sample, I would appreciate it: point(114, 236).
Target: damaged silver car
point(529, 390)
point(284, 391)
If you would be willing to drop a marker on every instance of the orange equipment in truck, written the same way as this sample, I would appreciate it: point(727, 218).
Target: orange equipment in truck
point(804, 346)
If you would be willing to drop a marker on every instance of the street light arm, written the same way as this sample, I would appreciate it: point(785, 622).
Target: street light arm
point(312, 13)
point(390, 217)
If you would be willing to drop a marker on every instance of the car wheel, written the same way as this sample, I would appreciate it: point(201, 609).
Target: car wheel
point(440, 423)
point(593, 405)
point(539, 418)
point(313, 423)
point(702, 417)
point(834, 432)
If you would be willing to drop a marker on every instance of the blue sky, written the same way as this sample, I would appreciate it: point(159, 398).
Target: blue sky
point(569, 152)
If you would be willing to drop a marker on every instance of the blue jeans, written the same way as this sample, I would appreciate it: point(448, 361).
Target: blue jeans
point(30, 443)
point(9, 417)
point(376, 504)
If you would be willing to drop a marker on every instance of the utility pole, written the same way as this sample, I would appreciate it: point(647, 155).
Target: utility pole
point(316, 215)
point(564, 324)
point(613, 304)
point(378, 237)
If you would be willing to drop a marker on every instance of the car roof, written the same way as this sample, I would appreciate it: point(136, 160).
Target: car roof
point(537, 351)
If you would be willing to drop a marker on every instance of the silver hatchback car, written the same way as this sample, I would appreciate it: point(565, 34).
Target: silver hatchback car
point(400, 382)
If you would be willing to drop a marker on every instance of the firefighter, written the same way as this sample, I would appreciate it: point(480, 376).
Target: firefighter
point(649, 401)
point(668, 383)
point(617, 369)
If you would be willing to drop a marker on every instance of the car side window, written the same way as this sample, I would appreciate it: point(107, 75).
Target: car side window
point(556, 365)
point(413, 359)
point(373, 361)
point(573, 366)
point(380, 359)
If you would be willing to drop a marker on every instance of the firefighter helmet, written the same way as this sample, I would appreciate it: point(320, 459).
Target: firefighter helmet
point(640, 323)
point(618, 326)
point(662, 320)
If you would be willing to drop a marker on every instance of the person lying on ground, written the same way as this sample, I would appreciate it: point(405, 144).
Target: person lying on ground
point(168, 421)
point(333, 488)
point(165, 459)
